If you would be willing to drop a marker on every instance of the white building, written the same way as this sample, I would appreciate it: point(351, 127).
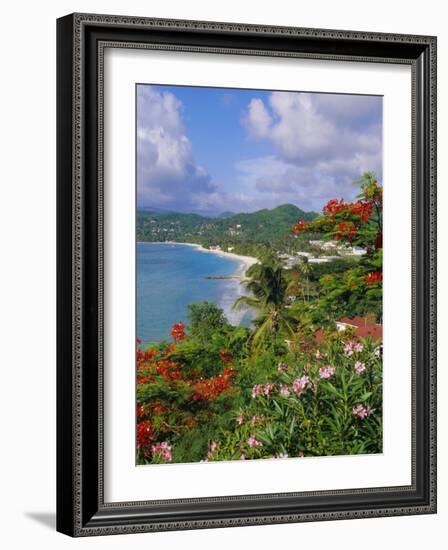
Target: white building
point(325, 245)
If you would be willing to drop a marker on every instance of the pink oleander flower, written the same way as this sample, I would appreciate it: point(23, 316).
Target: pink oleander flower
point(348, 349)
point(268, 388)
point(257, 390)
point(360, 367)
point(212, 449)
point(300, 384)
point(243, 457)
point(282, 367)
point(253, 442)
point(358, 347)
point(284, 390)
point(255, 419)
point(327, 372)
point(240, 419)
point(281, 455)
point(163, 450)
point(362, 412)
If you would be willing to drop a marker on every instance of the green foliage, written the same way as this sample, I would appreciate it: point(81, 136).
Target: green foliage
point(336, 266)
point(205, 319)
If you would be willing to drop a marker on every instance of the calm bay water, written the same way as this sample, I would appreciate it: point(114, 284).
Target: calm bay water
point(171, 276)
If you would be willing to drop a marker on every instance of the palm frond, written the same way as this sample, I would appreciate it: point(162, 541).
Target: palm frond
point(263, 331)
point(247, 301)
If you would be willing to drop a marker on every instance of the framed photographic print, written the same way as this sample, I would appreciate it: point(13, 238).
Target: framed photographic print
point(246, 274)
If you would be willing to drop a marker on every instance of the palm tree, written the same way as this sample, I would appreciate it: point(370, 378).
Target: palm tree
point(268, 289)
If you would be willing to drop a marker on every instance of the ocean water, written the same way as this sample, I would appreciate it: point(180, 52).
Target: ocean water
point(171, 276)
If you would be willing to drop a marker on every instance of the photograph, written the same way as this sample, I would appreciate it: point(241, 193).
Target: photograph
point(259, 274)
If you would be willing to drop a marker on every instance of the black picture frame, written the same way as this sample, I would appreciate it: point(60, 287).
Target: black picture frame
point(81, 510)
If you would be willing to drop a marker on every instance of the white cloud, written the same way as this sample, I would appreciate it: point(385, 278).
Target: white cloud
point(323, 141)
point(279, 182)
point(257, 120)
point(166, 169)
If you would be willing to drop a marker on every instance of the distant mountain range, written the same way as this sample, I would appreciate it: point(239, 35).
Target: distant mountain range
point(256, 227)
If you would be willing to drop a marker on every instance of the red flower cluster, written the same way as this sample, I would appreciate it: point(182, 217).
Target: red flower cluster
point(300, 227)
point(210, 388)
point(357, 222)
point(144, 363)
point(145, 379)
point(178, 332)
point(333, 206)
point(168, 369)
point(225, 356)
point(145, 434)
point(346, 217)
point(362, 208)
point(144, 356)
point(373, 278)
point(346, 230)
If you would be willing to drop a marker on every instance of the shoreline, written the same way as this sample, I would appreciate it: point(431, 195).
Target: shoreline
point(245, 261)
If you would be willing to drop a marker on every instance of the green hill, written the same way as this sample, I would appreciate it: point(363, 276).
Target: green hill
point(261, 227)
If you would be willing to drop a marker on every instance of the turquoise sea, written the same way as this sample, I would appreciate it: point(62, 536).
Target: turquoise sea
point(171, 276)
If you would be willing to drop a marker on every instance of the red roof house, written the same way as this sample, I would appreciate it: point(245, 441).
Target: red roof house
point(364, 328)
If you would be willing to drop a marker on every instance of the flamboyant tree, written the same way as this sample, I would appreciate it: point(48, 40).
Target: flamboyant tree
point(358, 290)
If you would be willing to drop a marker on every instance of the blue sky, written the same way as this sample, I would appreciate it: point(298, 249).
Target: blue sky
point(210, 150)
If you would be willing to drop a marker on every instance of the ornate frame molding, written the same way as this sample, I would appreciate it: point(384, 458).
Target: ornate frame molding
point(81, 42)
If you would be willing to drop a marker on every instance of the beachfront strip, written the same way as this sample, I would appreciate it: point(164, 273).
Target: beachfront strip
point(327, 251)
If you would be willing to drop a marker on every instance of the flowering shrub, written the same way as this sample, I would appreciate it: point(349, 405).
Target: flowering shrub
point(181, 390)
point(322, 401)
point(357, 290)
point(325, 403)
point(358, 222)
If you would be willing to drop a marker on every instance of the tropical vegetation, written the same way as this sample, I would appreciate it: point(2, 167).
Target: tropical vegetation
point(295, 384)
